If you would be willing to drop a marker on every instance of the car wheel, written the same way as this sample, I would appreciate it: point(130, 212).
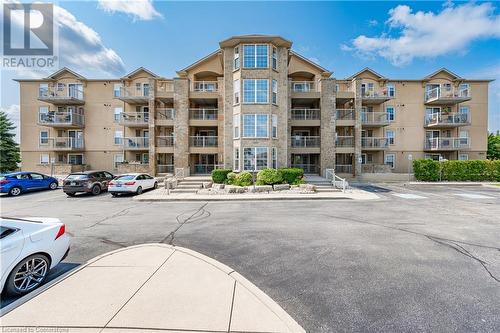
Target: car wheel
point(114, 194)
point(70, 194)
point(96, 190)
point(53, 186)
point(28, 275)
point(15, 191)
point(139, 190)
point(156, 186)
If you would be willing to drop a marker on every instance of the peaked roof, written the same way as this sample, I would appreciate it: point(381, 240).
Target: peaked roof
point(196, 63)
point(64, 70)
point(234, 40)
point(367, 69)
point(129, 75)
point(455, 76)
point(312, 63)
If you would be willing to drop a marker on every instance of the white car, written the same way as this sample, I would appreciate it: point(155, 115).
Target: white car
point(30, 248)
point(131, 183)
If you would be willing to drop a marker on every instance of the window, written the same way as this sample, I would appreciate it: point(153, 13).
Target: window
point(274, 158)
point(44, 159)
point(390, 159)
point(75, 159)
point(464, 90)
point(237, 159)
point(463, 157)
point(255, 56)
point(236, 63)
point(275, 58)
point(36, 176)
point(255, 158)
point(118, 137)
point(145, 89)
point(389, 135)
point(390, 113)
point(118, 158)
point(44, 137)
point(118, 113)
point(363, 158)
point(117, 89)
point(274, 127)
point(255, 91)
point(275, 92)
point(464, 137)
point(236, 126)
point(391, 90)
point(447, 87)
point(236, 89)
point(337, 87)
point(43, 89)
point(60, 86)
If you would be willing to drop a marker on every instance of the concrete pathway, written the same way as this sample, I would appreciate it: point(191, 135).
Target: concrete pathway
point(150, 287)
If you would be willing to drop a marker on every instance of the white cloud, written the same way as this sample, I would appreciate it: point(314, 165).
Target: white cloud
point(427, 34)
point(14, 115)
point(137, 9)
point(372, 23)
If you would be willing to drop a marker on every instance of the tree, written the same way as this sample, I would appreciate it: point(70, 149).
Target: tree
point(493, 146)
point(9, 149)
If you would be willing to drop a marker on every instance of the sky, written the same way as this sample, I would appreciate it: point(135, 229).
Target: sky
point(405, 40)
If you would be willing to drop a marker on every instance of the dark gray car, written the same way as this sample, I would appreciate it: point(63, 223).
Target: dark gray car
point(87, 182)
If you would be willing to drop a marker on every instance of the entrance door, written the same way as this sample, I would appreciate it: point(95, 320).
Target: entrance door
point(75, 90)
point(76, 139)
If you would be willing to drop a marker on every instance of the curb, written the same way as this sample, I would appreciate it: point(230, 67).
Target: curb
point(455, 183)
point(240, 199)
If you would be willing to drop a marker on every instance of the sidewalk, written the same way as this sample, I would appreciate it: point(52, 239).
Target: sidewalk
point(151, 287)
point(161, 195)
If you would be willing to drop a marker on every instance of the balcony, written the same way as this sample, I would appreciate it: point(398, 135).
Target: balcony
point(203, 141)
point(63, 144)
point(443, 96)
point(203, 117)
point(165, 90)
point(454, 119)
point(165, 117)
point(205, 86)
point(71, 96)
point(375, 119)
point(343, 168)
point(165, 141)
point(305, 141)
point(375, 97)
point(344, 141)
point(305, 117)
point(345, 117)
point(308, 168)
point(447, 144)
point(136, 143)
point(165, 168)
point(62, 119)
point(134, 119)
point(372, 143)
point(304, 89)
point(134, 96)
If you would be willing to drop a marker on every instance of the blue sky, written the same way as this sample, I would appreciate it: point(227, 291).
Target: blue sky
point(396, 39)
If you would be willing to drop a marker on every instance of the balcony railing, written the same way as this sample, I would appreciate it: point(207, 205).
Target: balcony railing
point(344, 141)
point(165, 168)
point(61, 118)
point(164, 86)
point(303, 86)
point(375, 94)
point(63, 143)
point(203, 114)
point(60, 96)
point(343, 168)
point(308, 168)
point(204, 86)
point(142, 92)
point(165, 114)
point(203, 141)
point(134, 118)
point(440, 92)
point(375, 118)
point(136, 143)
point(165, 141)
point(372, 142)
point(305, 141)
point(306, 114)
point(448, 119)
point(205, 168)
point(446, 143)
point(345, 114)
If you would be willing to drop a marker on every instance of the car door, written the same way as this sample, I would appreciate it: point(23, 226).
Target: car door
point(38, 181)
point(24, 180)
point(12, 245)
point(107, 177)
point(150, 181)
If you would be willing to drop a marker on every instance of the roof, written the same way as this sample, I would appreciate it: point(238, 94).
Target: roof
point(62, 70)
point(235, 40)
point(455, 76)
point(367, 69)
point(194, 64)
point(326, 71)
point(129, 75)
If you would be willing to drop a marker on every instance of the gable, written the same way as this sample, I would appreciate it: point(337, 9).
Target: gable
point(298, 63)
point(443, 73)
point(65, 73)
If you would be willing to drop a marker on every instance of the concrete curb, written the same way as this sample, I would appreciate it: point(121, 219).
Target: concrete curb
point(455, 183)
point(240, 199)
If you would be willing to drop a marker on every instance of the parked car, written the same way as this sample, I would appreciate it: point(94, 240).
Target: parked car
point(18, 182)
point(30, 248)
point(132, 183)
point(88, 182)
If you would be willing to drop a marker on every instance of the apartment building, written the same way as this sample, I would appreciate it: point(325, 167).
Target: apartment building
point(253, 103)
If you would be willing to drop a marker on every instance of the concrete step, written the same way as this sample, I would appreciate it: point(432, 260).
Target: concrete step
point(183, 190)
point(189, 185)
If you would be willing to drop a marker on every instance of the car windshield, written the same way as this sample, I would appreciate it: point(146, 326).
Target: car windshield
point(77, 176)
point(125, 177)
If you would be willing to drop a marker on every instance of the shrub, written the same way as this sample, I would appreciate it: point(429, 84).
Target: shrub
point(473, 170)
point(243, 179)
point(426, 170)
point(231, 178)
point(219, 176)
point(269, 177)
point(292, 176)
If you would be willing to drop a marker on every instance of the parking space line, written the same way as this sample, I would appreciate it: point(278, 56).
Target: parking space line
point(473, 196)
point(408, 196)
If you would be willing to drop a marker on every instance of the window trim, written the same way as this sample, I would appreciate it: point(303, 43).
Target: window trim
point(274, 125)
point(255, 56)
point(388, 90)
point(40, 138)
point(48, 158)
point(255, 158)
point(255, 91)
point(393, 160)
point(393, 113)
point(117, 137)
point(255, 115)
point(274, 94)
point(274, 57)
point(393, 136)
point(236, 58)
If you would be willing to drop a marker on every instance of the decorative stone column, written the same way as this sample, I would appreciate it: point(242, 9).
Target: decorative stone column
point(152, 126)
point(181, 124)
point(327, 135)
point(356, 85)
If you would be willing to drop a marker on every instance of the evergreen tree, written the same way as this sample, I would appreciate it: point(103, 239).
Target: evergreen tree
point(9, 149)
point(494, 146)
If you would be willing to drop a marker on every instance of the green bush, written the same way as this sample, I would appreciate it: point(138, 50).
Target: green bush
point(219, 176)
point(426, 170)
point(269, 177)
point(243, 179)
point(292, 176)
point(473, 170)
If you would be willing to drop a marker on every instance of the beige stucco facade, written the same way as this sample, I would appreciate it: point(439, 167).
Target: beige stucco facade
point(253, 103)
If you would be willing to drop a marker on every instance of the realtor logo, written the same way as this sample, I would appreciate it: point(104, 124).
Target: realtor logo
point(28, 35)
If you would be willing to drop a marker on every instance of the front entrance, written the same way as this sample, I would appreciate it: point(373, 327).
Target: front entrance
point(203, 164)
point(308, 162)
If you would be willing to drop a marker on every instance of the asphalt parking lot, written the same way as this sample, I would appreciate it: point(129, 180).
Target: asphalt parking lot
point(422, 258)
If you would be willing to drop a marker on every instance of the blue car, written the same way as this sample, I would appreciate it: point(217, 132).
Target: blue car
point(18, 182)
